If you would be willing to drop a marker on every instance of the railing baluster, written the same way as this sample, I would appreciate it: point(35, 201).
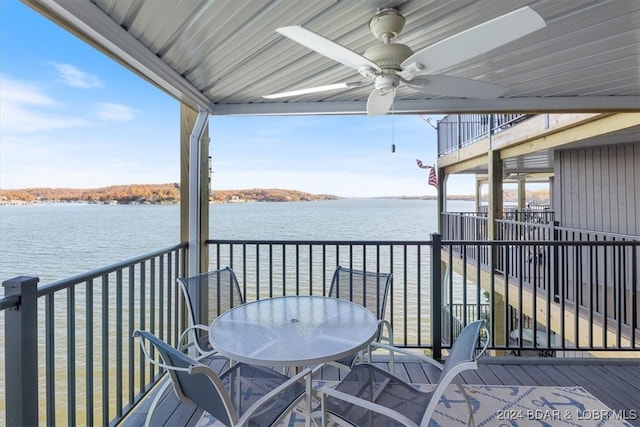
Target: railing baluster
point(105, 349)
point(419, 292)
point(71, 356)
point(119, 358)
point(405, 304)
point(310, 249)
point(50, 360)
point(142, 304)
point(131, 324)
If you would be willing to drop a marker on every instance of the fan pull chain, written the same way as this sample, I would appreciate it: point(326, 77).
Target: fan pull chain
point(393, 131)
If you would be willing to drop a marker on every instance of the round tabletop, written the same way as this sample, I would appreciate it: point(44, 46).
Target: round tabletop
point(293, 331)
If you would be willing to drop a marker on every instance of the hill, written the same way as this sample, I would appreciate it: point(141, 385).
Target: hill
point(170, 193)
point(266, 195)
point(151, 194)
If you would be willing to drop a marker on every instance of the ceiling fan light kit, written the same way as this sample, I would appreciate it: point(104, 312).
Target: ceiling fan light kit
point(389, 65)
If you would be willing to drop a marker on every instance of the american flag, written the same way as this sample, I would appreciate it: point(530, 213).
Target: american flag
point(433, 178)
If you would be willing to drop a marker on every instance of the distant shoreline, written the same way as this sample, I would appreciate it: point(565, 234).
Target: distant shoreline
point(166, 194)
point(84, 202)
point(158, 194)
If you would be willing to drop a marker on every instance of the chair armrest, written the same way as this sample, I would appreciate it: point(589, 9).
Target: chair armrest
point(267, 398)
point(189, 329)
point(159, 363)
point(328, 391)
point(420, 357)
point(486, 344)
point(385, 324)
point(202, 352)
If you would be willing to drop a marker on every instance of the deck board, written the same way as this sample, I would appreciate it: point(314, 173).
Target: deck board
point(615, 382)
point(505, 376)
point(625, 394)
point(539, 376)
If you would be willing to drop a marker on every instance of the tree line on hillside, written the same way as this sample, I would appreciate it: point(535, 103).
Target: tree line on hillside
point(152, 194)
point(170, 193)
point(124, 194)
point(266, 195)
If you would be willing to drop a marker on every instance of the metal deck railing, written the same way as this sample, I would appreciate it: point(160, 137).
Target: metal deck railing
point(79, 328)
point(68, 356)
point(456, 131)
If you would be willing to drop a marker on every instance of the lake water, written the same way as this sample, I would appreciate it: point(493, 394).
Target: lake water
point(54, 241)
point(57, 240)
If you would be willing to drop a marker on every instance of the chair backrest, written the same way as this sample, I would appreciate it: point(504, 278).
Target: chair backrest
point(367, 288)
point(208, 295)
point(464, 348)
point(191, 379)
point(463, 356)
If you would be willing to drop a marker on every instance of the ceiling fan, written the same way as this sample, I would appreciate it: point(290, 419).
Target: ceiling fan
point(389, 65)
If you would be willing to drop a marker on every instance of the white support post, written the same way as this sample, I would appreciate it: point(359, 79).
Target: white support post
point(195, 141)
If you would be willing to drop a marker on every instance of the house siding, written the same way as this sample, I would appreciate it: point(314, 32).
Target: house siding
point(596, 188)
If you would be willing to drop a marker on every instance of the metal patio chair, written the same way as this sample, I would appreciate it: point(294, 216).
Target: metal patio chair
point(207, 295)
point(369, 289)
point(242, 395)
point(370, 396)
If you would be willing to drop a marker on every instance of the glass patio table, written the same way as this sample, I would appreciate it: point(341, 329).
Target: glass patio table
point(293, 331)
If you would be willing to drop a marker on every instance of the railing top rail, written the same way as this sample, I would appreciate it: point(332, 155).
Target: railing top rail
point(528, 223)
point(318, 242)
point(429, 242)
point(92, 274)
point(9, 302)
point(471, 213)
point(541, 243)
point(598, 233)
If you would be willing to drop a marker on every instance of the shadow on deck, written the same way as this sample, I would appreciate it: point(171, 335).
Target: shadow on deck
point(615, 382)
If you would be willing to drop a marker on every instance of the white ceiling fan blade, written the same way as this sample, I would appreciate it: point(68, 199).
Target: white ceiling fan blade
point(328, 48)
point(457, 87)
point(379, 102)
point(317, 89)
point(474, 41)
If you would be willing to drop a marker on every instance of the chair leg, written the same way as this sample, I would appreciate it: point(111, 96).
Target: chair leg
point(156, 400)
point(470, 422)
point(307, 401)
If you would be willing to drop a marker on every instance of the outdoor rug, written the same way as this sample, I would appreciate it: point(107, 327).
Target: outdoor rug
point(513, 406)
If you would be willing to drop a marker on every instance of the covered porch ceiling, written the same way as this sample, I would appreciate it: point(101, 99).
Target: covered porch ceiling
point(222, 57)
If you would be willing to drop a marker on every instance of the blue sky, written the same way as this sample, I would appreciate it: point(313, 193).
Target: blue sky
point(72, 117)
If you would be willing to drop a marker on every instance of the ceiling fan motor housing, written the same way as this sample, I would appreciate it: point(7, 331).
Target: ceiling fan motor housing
point(388, 55)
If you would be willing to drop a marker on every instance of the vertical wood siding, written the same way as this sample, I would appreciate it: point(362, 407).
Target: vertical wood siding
point(597, 188)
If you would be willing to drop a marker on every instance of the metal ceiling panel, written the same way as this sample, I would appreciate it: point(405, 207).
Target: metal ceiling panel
point(223, 56)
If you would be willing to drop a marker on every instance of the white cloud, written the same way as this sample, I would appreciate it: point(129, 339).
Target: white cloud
point(24, 109)
point(17, 92)
point(73, 76)
point(113, 111)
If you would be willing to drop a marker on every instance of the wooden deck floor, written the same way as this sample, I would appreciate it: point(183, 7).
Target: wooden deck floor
point(615, 382)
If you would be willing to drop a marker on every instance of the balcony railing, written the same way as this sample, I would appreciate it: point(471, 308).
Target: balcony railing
point(67, 353)
point(593, 275)
point(273, 268)
point(79, 328)
point(459, 130)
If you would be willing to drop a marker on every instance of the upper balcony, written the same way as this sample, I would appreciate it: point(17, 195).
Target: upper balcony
point(529, 145)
